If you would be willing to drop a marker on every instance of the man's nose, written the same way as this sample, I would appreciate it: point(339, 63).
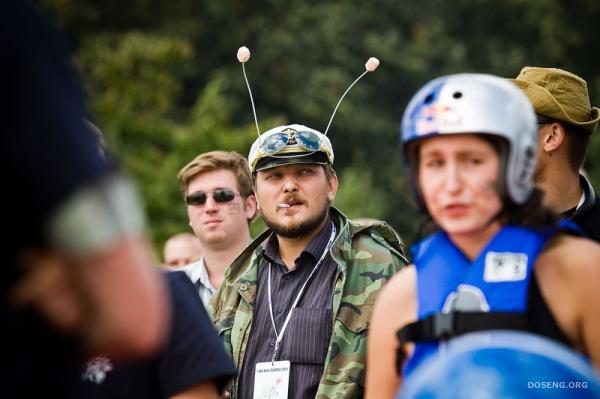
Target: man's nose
point(290, 184)
point(210, 205)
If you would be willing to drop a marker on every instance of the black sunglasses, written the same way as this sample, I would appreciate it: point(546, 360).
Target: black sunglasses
point(220, 195)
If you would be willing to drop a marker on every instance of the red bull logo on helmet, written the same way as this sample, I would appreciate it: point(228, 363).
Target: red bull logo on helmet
point(433, 118)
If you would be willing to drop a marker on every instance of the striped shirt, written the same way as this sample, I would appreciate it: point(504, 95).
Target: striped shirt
point(306, 339)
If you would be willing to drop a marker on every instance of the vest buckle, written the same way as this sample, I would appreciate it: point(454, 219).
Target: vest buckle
point(443, 325)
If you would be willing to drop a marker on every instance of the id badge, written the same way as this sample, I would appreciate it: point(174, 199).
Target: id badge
point(271, 380)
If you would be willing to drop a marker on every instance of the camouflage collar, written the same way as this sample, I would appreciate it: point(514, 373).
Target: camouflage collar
point(380, 231)
point(243, 272)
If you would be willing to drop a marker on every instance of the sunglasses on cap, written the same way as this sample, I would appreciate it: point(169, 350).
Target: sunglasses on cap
point(220, 195)
point(276, 142)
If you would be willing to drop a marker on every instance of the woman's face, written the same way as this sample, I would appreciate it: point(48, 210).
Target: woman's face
point(458, 178)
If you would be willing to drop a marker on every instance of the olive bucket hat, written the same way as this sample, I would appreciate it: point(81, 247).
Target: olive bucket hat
point(560, 95)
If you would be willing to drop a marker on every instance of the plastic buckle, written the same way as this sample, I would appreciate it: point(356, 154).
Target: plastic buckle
point(443, 325)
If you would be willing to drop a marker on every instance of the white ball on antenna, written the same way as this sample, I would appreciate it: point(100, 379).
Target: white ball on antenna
point(243, 54)
point(371, 65)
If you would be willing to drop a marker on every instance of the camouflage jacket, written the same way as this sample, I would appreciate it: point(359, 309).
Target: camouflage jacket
point(367, 256)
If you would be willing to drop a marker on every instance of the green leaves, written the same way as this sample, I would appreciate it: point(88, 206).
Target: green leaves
point(358, 197)
point(164, 83)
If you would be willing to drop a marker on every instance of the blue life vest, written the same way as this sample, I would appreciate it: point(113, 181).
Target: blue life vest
point(496, 281)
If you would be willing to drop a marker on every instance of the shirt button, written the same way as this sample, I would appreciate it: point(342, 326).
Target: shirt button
point(271, 344)
point(280, 309)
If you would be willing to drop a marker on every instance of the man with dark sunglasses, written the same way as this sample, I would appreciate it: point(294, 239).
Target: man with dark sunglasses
point(566, 120)
point(217, 188)
point(294, 309)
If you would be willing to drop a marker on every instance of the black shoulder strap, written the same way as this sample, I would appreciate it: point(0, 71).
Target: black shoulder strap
point(443, 326)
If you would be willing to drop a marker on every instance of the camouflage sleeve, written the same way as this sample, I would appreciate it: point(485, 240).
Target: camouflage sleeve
point(215, 310)
point(370, 265)
point(221, 322)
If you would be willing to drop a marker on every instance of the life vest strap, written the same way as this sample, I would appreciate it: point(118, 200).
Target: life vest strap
point(443, 326)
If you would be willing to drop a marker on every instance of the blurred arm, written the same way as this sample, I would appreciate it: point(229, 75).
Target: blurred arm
point(99, 232)
point(127, 297)
point(585, 285)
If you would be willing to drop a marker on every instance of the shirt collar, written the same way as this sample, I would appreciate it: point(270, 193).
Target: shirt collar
point(587, 200)
point(314, 248)
point(588, 196)
point(197, 273)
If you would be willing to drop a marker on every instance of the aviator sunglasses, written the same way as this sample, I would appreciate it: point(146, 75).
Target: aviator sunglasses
point(276, 142)
point(220, 195)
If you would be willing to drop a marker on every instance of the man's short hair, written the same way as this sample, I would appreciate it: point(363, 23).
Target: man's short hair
point(329, 172)
point(217, 160)
point(577, 144)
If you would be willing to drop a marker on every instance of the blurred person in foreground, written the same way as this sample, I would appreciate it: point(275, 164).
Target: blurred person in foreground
point(64, 199)
point(566, 120)
point(181, 249)
point(183, 368)
point(500, 260)
point(217, 188)
point(191, 365)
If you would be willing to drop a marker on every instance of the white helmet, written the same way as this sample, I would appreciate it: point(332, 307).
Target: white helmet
point(476, 103)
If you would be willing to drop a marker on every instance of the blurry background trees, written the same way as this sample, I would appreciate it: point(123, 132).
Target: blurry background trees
point(164, 84)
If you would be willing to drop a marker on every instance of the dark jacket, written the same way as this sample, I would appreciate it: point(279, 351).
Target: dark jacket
point(588, 214)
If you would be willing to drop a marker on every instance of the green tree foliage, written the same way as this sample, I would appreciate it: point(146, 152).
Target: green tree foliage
point(164, 83)
point(358, 197)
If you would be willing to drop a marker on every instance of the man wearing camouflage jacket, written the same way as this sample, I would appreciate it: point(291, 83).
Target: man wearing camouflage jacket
point(294, 309)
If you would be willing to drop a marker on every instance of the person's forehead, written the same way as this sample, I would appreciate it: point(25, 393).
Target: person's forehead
point(211, 180)
point(454, 142)
point(289, 168)
point(181, 247)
